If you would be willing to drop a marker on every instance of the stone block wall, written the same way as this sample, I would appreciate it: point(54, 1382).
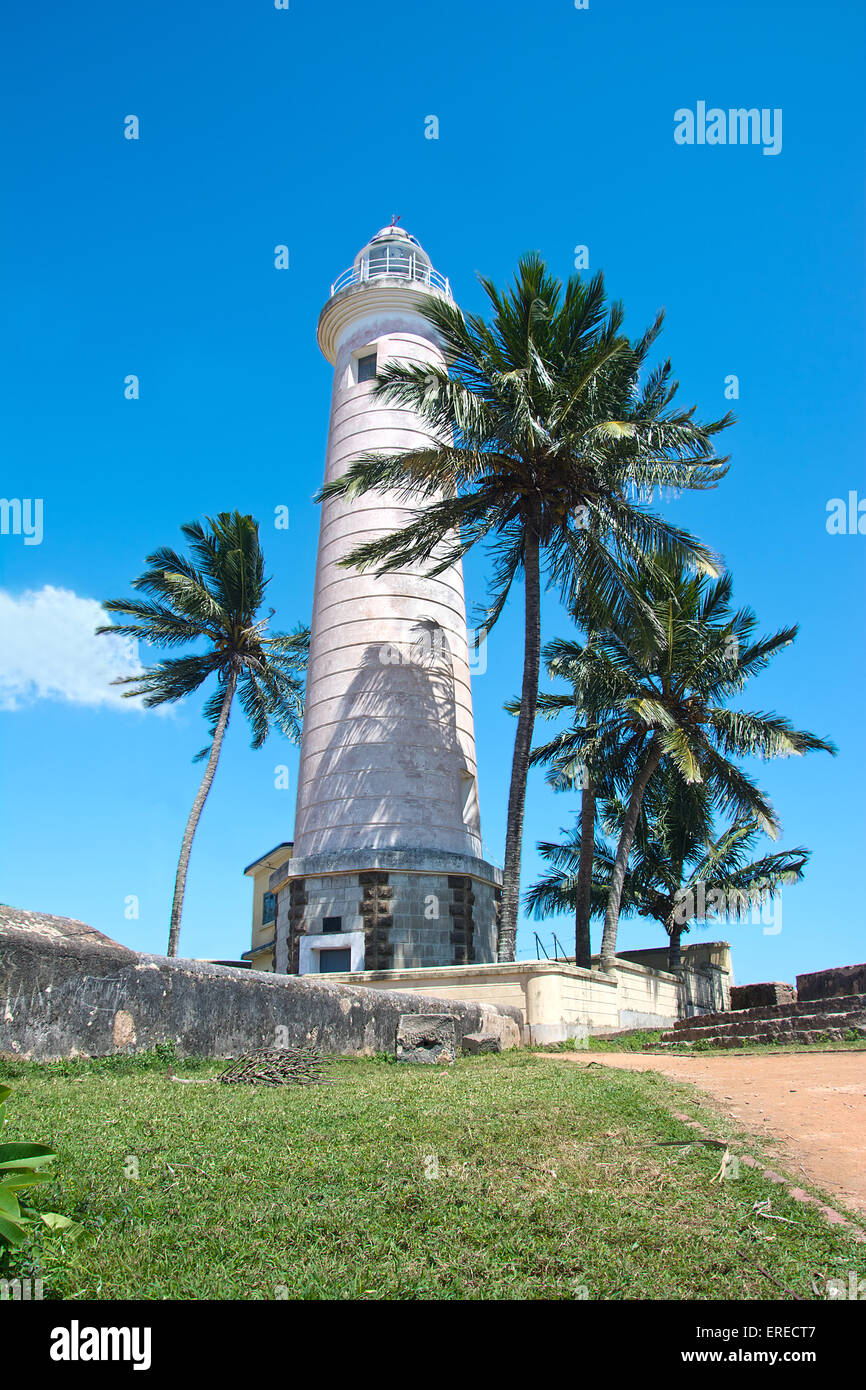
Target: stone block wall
point(829, 984)
point(377, 916)
point(759, 995)
point(409, 920)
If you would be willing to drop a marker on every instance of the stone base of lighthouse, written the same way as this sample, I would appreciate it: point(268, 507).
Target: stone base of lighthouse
point(386, 909)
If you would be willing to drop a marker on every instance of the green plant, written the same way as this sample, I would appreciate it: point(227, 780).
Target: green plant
point(631, 1041)
point(155, 1058)
point(20, 1167)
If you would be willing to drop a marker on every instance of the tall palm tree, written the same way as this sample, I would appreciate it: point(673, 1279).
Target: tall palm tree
point(214, 596)
point(669, 674)
point(541, 441)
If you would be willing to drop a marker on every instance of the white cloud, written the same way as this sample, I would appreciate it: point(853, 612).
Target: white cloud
point(49, 651)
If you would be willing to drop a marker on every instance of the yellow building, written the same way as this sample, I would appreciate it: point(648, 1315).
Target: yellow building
point(261, 954)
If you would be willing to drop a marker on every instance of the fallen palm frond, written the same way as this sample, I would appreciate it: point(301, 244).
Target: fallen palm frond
point(300, 1066)
point(267, 1066)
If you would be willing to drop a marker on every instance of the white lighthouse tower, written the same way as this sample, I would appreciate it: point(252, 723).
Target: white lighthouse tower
point(386, 869)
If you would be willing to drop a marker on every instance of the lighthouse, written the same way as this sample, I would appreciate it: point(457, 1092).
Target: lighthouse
point(387, 869)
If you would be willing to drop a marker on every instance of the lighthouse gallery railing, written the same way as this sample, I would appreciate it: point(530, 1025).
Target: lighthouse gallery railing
point(391, 260)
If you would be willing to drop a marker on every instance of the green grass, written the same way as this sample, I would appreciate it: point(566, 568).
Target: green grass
point(550, 1182)
point(628, 1042)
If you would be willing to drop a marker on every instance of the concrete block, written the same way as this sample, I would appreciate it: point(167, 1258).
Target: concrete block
point(429, 1039)
point(549, 1034)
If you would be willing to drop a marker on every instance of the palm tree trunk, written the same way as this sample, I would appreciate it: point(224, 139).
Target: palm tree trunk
point(582, 943)
point(197, 807)
point(674, 928)
point(522, 745)
point(620, 864)
point(675, 955)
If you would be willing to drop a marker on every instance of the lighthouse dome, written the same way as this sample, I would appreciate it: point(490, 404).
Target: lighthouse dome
point(392, 252)
point(396, 232)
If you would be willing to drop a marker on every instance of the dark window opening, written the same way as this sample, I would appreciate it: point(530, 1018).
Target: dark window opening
point(269, 908)
point(332, 961)
point(332, 924)
point(367, 367)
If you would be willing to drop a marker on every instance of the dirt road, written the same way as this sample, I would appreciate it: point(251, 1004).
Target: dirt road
point(812, 1104)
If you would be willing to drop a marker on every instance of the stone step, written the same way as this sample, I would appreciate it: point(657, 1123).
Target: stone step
point(818, 1022)
point(729, 1040)
point(750, 1027)
point(842, 1003)
point(827, 984)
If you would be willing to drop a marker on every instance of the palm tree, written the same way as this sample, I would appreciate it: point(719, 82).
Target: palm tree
point(679, 870)
point(717, 870)
point(214, 596)
point(562, 889)
point(586, 756)
point(541, 442)
point(666, 699)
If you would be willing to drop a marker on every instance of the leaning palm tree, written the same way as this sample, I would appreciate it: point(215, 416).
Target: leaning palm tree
point(588, 755)
point(541, 441)
point(214, 596)
point(668, 699)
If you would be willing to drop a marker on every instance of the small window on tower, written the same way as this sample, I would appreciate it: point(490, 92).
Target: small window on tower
point(367, 367)
point(332, 924)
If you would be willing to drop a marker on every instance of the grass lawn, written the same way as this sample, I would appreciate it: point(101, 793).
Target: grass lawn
point(501, 1177)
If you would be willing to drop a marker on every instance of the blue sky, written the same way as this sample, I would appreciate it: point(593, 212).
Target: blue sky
point(305, 127)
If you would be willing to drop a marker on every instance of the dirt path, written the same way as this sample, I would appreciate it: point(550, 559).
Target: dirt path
point(812, 1104)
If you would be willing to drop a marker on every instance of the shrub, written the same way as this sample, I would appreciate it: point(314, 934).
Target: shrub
point(21, 1167)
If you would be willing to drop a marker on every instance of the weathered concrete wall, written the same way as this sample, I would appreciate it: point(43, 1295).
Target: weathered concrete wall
point(64, 994)
point(705, 981)
point(558, 1000)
